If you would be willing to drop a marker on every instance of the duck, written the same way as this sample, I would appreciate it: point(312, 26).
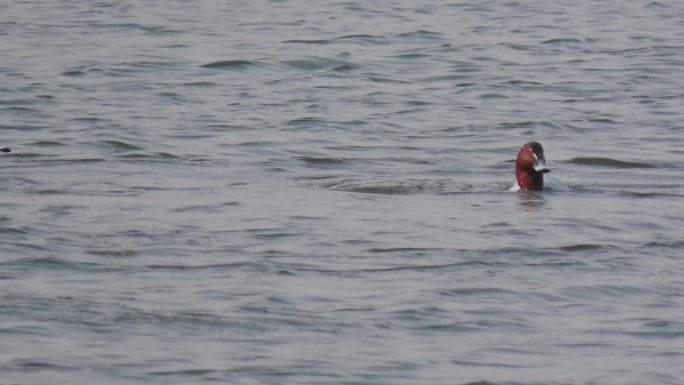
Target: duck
point(530, 167)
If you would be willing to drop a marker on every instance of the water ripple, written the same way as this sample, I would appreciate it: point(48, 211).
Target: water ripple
point(608, 162)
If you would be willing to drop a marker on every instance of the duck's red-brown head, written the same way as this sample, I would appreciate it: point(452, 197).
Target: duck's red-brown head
point(530, 167)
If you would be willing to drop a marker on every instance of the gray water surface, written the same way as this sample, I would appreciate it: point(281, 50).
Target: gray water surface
point(299, 192)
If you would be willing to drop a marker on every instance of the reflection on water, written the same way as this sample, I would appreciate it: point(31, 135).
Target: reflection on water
point(531, 200)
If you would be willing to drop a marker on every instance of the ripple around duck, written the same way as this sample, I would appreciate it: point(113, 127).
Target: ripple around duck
point(385, 187)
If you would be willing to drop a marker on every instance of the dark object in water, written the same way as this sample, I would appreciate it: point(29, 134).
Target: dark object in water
point(5, 149)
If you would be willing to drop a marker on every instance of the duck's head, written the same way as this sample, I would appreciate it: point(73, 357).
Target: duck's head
point(530, 167)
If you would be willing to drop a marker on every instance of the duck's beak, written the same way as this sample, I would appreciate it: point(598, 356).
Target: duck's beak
point(540, 166)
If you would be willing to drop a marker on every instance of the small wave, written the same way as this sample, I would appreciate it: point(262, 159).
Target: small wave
point(185, 372)
point(518, 47)
point(58, 264)
point(230, 266)
point(22, 127)
point(74, 72)
point(404, 249)
point(493, 96)
point(155, 29)
point(21, 110)
point(153, 156)
point(200, 84)
point(420, 33)
point(479, 326)
point(118, 69)
point(113, 253)
point(490, 364)
point(651, 194)
point(481, 292)
point(315, 41)
point(675, 244)
point(365, 38)
point(383, 79)
point(602, 120)
point(479, 382)
point(561, 41)
point(119, 145)
point(524, 82)
point(47, 143)
point(33, 366)
point(319, 63)
point(322, 161)
point(304, 120)
point(206, 208)
point(607, 291)
point(16, 102)
point(151, 64)
point(608, 162)
point(359, 38)
point(392, 269)
point(446, 78)
point(15, 231)
point(229, 64)
point(91, 120)
point(528, 124)
point(583, 247)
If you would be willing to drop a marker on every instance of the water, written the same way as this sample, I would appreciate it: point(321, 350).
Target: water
point(294, 192)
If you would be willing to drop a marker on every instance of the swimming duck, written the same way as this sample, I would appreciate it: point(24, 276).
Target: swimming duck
point(530, 167)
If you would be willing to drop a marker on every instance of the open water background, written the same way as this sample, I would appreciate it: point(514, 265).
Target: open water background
point(302, 192)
